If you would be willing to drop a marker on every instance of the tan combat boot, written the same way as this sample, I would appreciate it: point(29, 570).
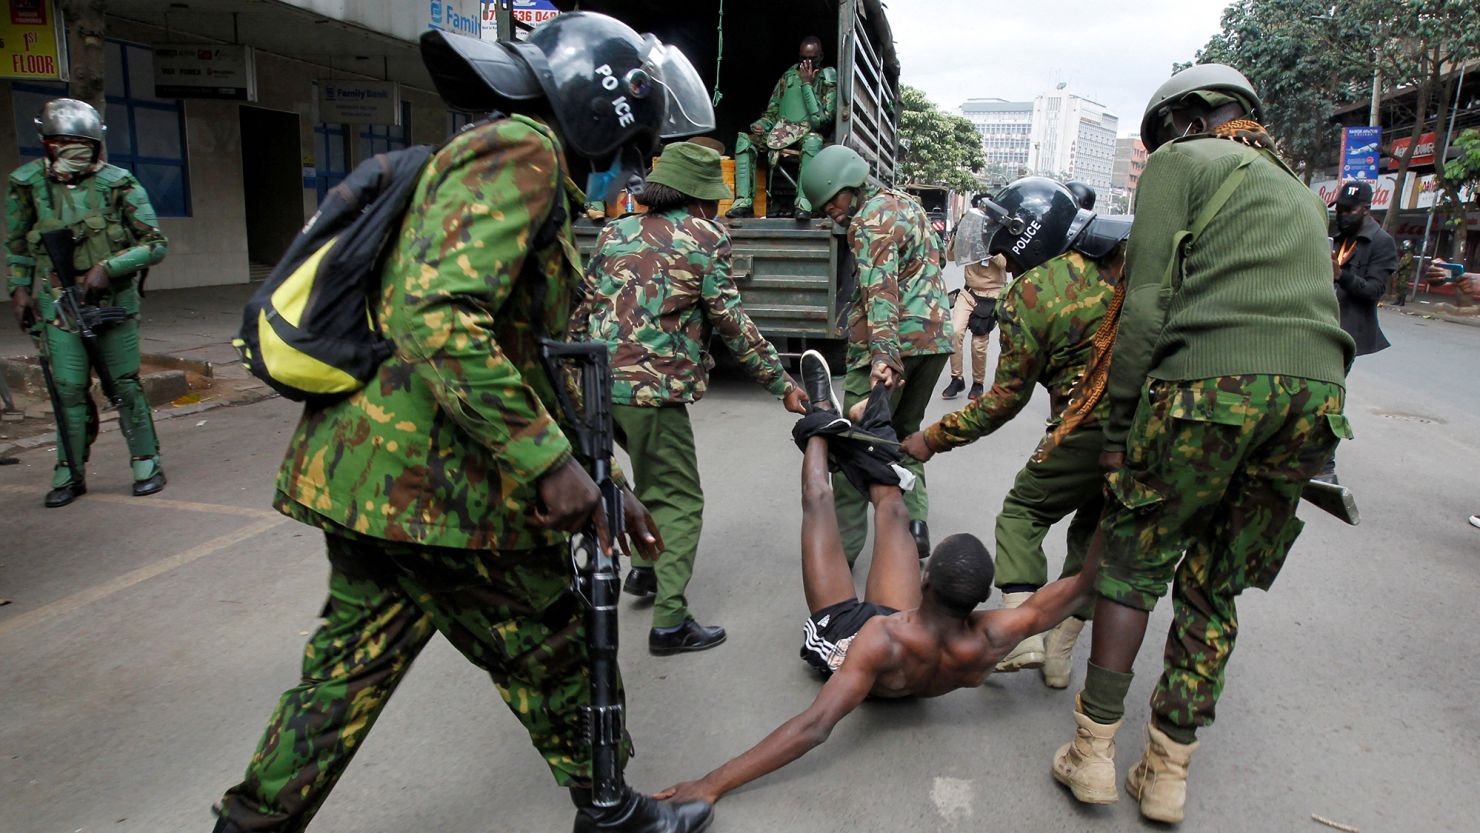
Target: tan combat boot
point(1029, 652)
point(1058, 651)
point(1159, 781)
point(1086, 765)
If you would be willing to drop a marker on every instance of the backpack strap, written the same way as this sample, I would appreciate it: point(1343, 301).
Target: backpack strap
point(1183, 240)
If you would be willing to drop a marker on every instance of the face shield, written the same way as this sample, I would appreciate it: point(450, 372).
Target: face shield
point(970, 244)
point(687, 110)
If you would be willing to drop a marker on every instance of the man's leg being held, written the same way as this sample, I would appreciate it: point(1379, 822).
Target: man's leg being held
point(371, 632)
point(826, 575)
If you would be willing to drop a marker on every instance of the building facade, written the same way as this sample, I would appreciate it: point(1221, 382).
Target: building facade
point(1130, 160)
point(306, 90)
point(1057, 134)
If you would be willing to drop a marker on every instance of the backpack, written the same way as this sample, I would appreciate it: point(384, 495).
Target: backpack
point(309, 331)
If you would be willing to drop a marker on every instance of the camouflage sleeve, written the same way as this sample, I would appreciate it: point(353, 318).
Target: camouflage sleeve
point(1162, 211)
point(726, 313)
point(822, 104)
point(19, 217)
point(486, 196)
point(773, 107)
point(876, 240)
point(150, 245)
point(580, 320)
point(1022, 341)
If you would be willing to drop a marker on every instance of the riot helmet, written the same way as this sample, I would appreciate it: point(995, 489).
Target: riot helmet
point(68, 118)
point(1031, 221)
point(607, 86)
point(1202, 79)
point(1083, 192)
point(834, 168)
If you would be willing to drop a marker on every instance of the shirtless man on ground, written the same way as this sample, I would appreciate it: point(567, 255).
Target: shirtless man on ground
point(910, 635)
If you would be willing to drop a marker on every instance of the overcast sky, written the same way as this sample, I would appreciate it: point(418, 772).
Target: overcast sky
point(1115, 54)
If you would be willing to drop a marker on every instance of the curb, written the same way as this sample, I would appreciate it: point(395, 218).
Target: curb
point(107, 426)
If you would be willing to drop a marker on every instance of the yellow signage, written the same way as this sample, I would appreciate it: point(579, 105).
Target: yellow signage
point(31, 42)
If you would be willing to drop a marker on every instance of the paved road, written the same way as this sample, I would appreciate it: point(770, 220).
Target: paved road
point(147, 640)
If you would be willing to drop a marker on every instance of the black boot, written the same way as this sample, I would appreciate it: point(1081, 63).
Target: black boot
point(150, 485)
point(639, 814)
point(976, 391)
point(63, 495)
point(954, 389)
point(921, 533)
point(641, 581)
point(690, 636)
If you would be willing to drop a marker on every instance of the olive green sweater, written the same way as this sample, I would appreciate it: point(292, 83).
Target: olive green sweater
point(1256, 294)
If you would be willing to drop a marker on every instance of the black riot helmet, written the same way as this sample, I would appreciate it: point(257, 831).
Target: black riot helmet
point(607, 86)
point(1083, 193)
point(1029, 222)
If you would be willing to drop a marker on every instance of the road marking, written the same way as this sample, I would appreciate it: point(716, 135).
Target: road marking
point(69, 604)
point(160, 503)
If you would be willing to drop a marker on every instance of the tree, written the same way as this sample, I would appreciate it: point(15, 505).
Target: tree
point(85, 50)
point(1461, 181)
point(939, 149)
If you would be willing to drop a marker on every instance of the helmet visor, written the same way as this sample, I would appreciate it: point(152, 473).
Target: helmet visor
point(970, 243)
point(687, 110)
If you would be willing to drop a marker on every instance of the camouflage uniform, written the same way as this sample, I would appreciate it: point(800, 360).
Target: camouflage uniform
point(899, 315)
point(1049, 317)
point(655, 287)
point(796, 113)
point(1216, 457)
point(111, 219)
point(424, 481)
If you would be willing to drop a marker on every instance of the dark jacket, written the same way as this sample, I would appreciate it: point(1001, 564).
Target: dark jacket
point(1364, 279)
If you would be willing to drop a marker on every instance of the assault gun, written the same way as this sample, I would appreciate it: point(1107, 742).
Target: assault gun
point(595, 569)
point(88, 321)
point(1329, 497)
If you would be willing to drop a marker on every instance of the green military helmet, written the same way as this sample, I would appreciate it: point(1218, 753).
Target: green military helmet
point(68, 117)
point(1201, 78)
point(834, 168)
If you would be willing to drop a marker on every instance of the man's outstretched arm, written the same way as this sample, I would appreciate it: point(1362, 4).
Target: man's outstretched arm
point(796, 737)
point(1049, 606)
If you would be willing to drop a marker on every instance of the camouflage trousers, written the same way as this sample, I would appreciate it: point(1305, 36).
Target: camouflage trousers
point(1206, 500)
point(512, 614)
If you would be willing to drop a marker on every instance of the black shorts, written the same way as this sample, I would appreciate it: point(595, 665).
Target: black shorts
point(827, 633)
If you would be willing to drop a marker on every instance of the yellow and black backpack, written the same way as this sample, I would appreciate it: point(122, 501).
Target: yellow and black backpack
point(309, 330)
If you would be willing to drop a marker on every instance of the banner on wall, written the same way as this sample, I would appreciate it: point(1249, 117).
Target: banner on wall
point(359, 102)
point(207, 70)
point(32, 41)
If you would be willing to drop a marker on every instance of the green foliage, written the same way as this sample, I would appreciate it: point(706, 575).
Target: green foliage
point(937, 148)
point(1463, 172)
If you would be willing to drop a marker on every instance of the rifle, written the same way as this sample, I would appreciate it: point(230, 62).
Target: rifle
point(87, 320)
point(1337, 500)
point(596, 569)
point(64, 437)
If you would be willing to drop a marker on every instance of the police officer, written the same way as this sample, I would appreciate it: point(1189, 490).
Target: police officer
point(1068, 261)
point(800, 112)
point(899, 320)
point(1226, 395)
point(656, 286)
point(446, 487)
point(974, 312)
point(116, 236)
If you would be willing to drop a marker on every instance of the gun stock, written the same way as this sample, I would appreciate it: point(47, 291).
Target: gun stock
point(1329, 497)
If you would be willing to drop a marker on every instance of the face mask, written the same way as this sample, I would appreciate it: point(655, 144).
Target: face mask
point(71, 159)
point(1348, 223)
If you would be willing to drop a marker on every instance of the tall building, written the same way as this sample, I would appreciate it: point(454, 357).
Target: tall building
point(1073, 137)
point(1056, 134)
point(1130, 160)
point(1005, 128)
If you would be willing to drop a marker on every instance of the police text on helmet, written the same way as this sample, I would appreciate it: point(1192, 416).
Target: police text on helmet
point(1027, 237)
point(619, 104)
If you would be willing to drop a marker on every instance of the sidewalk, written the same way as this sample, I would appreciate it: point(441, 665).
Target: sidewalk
point(196, 325)
point(1437, 306)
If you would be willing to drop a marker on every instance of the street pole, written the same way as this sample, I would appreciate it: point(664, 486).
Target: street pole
point(1439, 158)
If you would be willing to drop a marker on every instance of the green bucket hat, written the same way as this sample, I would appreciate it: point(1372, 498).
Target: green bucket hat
point(691, 170)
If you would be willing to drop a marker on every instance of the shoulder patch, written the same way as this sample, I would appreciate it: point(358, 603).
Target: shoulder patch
point(29, 173)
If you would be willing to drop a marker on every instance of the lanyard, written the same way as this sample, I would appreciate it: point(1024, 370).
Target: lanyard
point(1346, 251)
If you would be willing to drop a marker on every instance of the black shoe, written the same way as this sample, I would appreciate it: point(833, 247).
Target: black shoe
point(921, 533)
point(690, 636)
point(802, 215)
point(63, 495)
point(976, 391)
point(817, 382)
point(641, 581)
point(740, 212)
point(641, 814)
point(150, 486)
point(954, 389)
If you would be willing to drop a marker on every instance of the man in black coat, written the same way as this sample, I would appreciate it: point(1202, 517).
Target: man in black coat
point(1362, 265)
